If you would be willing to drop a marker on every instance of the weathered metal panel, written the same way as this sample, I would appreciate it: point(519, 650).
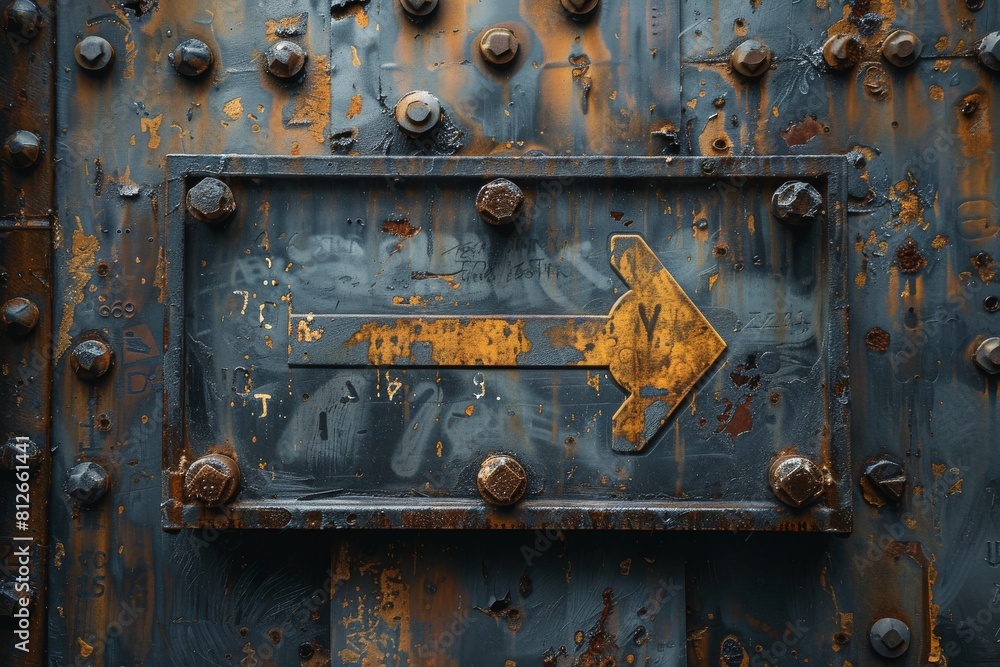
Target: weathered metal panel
point(913, 121)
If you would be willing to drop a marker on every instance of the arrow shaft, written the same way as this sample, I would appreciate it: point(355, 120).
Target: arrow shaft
point(530, 341)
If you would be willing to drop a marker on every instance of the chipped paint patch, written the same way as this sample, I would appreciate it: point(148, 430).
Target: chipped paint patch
point(83, 251)
point(152, 127)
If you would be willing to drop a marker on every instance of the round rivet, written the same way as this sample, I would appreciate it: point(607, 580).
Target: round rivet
point(842, 52)
point(284, 59)
point(796, 480)
point(21, 149)
point(902, 48)
point(91, 359)
point(19, 316)
point(86, 483)
point(751, 58)
point(212, 480)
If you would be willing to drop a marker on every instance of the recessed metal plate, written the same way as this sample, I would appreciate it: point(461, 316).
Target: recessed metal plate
point(645, 339)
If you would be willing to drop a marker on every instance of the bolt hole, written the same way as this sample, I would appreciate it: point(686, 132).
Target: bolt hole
point(352, 519)
point(244, 632)
point(841, 637)
point(895, 123)
point(103, 269)
point(721, 250)
point(739, 24)
point(305, 650)
point(991, 304)
point(720, 144)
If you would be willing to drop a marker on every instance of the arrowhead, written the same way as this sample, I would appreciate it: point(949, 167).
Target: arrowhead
point(662, 344)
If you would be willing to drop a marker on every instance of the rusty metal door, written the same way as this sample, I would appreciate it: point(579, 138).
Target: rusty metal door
point(448, 332)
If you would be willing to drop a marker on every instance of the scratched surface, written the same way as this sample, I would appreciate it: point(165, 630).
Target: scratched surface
point(639, 78)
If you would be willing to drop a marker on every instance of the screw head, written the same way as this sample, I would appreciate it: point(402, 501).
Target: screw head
point(91, 359)
point(796, 480)
point(579, 7)
point(19, 450)
point(94, 53)
point(501, 480)
point(498, 46)
point(284, 59)
point(21, 149)
point(989, 51)
point(902, 48)
point(210, 200)
point(886, 477)
point(192, 57)
point(500, 202)
point(212, 480)
point(418, 113)
point(842, 52)
point(751, 58)
point(22, 18)
point(987, 356)
point(18, 316)
point(797, 203)
point(86, 483)
point(418, 8)
point(889, 637)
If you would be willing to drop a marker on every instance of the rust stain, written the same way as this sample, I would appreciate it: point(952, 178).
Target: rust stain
point(160, 275)
point(288, 26)
point(909, 257)
point(355, 108)
point(85, 648)
point(936, 93)
point(985, 266)
point(499, 341)
point(83, 251)
point(313, 108)
point(152, 126)
point(401, 228)
point(307, 334)
point(800, 133)
point(906, 195)
point(355, 60)
point(233, 108)
point(940, 242)
point(877, 339)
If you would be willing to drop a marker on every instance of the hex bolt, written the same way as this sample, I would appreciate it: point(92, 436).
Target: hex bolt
point(579, 8)
point(500, 202)
point(498, 45)
point(889, 637)
point(418, 8)
point(796, 480)
point(501, 480)
point(21, 149)
point(284, 59)
point(18, 316)
point(989, 51)
point(94, 53)
point(902, 48)
point(418, 113)
point(987, 356)
point(751, 58)
point(91, 359)
point(842, 52)
point(212, 480)
point(22, 18)
point(19, 451)
point(86, 483)
point(192, 57)
point(887, 477)
point(210, 200)
point(797, 203)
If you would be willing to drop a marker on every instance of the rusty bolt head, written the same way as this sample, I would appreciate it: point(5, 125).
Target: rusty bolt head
point(91, 359)
point(19, 451)
point(22, 18)
point(192, 57)
point(501, 480)
point(797, 203)
point(751, 58)
point(212, 480)
point(796, 480)
point(418, 8)
point(418, 113)
point(989, 50)
point(500, 202)
point(579, 7)
point(842, 52)
point(86, 483)
point(889, 637)
point(210, 200)
point(22, 149)
point(886, 477)
point(988, 356)
point(498, 46)
point(94, 53)
point(284, 59)
point(18, 316)
point(902, 48)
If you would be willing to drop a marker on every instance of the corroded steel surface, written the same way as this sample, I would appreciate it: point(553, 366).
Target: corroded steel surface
point(163, 343)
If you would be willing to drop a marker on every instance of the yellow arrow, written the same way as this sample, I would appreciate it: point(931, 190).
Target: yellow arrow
point(654, 342)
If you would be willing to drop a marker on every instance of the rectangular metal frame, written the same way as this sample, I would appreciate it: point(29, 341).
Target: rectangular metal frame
point(418, 512)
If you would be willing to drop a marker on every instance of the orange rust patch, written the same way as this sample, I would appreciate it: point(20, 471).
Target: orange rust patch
point(985, 266)
point(355, 108)
point(275, 29)
point(314, 105)
point(936, 93)
point(877, 339)
point(401, 228)
point(800, 133)
point(909, 258)
point(152, 126)
point(81, 262)
point(939, 242)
